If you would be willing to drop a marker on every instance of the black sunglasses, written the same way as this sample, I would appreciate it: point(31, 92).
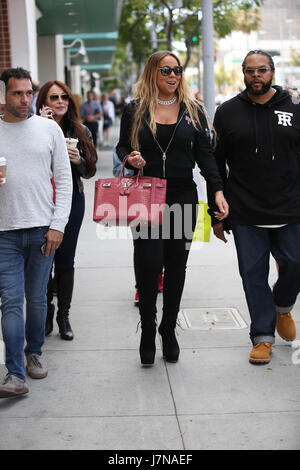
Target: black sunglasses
point(166, 70)
point(260, 70)
point(64, 97)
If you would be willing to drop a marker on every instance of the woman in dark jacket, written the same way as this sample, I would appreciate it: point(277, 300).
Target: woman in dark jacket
point(165, 132)
point(55, 101)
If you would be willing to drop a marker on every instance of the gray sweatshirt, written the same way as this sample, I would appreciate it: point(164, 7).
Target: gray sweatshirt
point(35, 151)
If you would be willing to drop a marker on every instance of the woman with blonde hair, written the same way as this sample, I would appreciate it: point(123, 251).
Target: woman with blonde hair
point(165, 132)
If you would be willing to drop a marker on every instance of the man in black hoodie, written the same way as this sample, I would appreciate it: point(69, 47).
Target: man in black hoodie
point(258, 154)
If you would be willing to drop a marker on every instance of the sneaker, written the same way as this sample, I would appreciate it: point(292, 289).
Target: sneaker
point(35, 369)
point(13, 387)
point(286, 327)
point(260, 353)
point(136, 299)
point(160, 282)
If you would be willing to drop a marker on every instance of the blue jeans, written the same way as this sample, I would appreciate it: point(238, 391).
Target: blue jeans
point(254, 246)
point(23, 271)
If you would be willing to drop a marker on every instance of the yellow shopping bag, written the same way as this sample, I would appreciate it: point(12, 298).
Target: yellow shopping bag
point(203, 224)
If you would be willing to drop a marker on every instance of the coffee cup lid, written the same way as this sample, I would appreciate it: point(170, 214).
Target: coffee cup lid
point(2, 159)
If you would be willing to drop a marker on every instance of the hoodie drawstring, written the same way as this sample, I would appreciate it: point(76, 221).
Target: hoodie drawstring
point(256, 150)
point(255, 128)
point(271, 133)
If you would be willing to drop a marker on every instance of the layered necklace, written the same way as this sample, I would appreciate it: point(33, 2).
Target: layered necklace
point(168, 102)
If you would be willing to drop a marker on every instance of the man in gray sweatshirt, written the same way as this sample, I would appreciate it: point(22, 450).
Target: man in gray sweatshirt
point(31, 226)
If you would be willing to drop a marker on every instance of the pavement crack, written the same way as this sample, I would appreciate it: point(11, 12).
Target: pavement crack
point(175, 407)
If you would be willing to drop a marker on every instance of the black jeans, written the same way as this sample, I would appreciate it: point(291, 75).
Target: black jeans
point(254, 246)
point(165, 247)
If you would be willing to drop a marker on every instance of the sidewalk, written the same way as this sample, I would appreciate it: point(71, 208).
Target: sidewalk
point(97, 396)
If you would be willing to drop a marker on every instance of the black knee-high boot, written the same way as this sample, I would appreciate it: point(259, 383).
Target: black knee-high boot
point(50, 307)
point(65, 283)
point(167, 331)
point(148, 326)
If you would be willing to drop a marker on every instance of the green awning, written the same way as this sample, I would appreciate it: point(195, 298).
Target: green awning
point(96, 22)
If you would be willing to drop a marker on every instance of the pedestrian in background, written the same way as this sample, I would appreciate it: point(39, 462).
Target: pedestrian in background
point(108, 117)
point(164, 131)
point(258, 157)
point(36, 89)
point(90, 112)
point(55, 101)
point(97, 97)
point(31, 227)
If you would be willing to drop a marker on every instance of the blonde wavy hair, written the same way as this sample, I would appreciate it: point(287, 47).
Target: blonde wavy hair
point(146, 94)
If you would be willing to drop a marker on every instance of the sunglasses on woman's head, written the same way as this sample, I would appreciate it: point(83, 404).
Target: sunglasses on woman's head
point(166, 70)
point(64, 97)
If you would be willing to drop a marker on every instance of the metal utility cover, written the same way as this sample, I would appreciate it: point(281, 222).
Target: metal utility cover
point(211, 319)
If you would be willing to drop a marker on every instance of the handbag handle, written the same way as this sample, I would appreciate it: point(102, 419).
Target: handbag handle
point(136, 177)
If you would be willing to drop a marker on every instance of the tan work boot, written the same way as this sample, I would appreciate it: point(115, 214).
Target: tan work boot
point(286, 327)
point(260, 353)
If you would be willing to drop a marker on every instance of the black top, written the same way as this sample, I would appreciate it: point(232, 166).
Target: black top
point(258, 154)
point(190, 145)
point(164, 133)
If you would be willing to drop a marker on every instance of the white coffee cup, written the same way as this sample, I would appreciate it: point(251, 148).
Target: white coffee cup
point(3, 169)
point(71, 142)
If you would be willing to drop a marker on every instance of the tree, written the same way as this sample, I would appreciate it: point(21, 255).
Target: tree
point(152, 23)
point(225, 79)
point(148, 25)
point(295, 57)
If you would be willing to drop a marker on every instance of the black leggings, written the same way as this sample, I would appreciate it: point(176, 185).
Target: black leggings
point(65, 254)
point(166, 250)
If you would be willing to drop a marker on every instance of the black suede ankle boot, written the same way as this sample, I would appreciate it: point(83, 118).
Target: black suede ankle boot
point(65, 283)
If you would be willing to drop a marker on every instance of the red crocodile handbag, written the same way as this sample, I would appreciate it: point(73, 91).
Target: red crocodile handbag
point(134, 200)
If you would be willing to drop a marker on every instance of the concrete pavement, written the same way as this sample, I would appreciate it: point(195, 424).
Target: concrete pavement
point(97, 396)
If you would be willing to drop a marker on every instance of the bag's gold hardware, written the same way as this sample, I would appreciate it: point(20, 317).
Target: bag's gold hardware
point(147, 185)
point(106, 185)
